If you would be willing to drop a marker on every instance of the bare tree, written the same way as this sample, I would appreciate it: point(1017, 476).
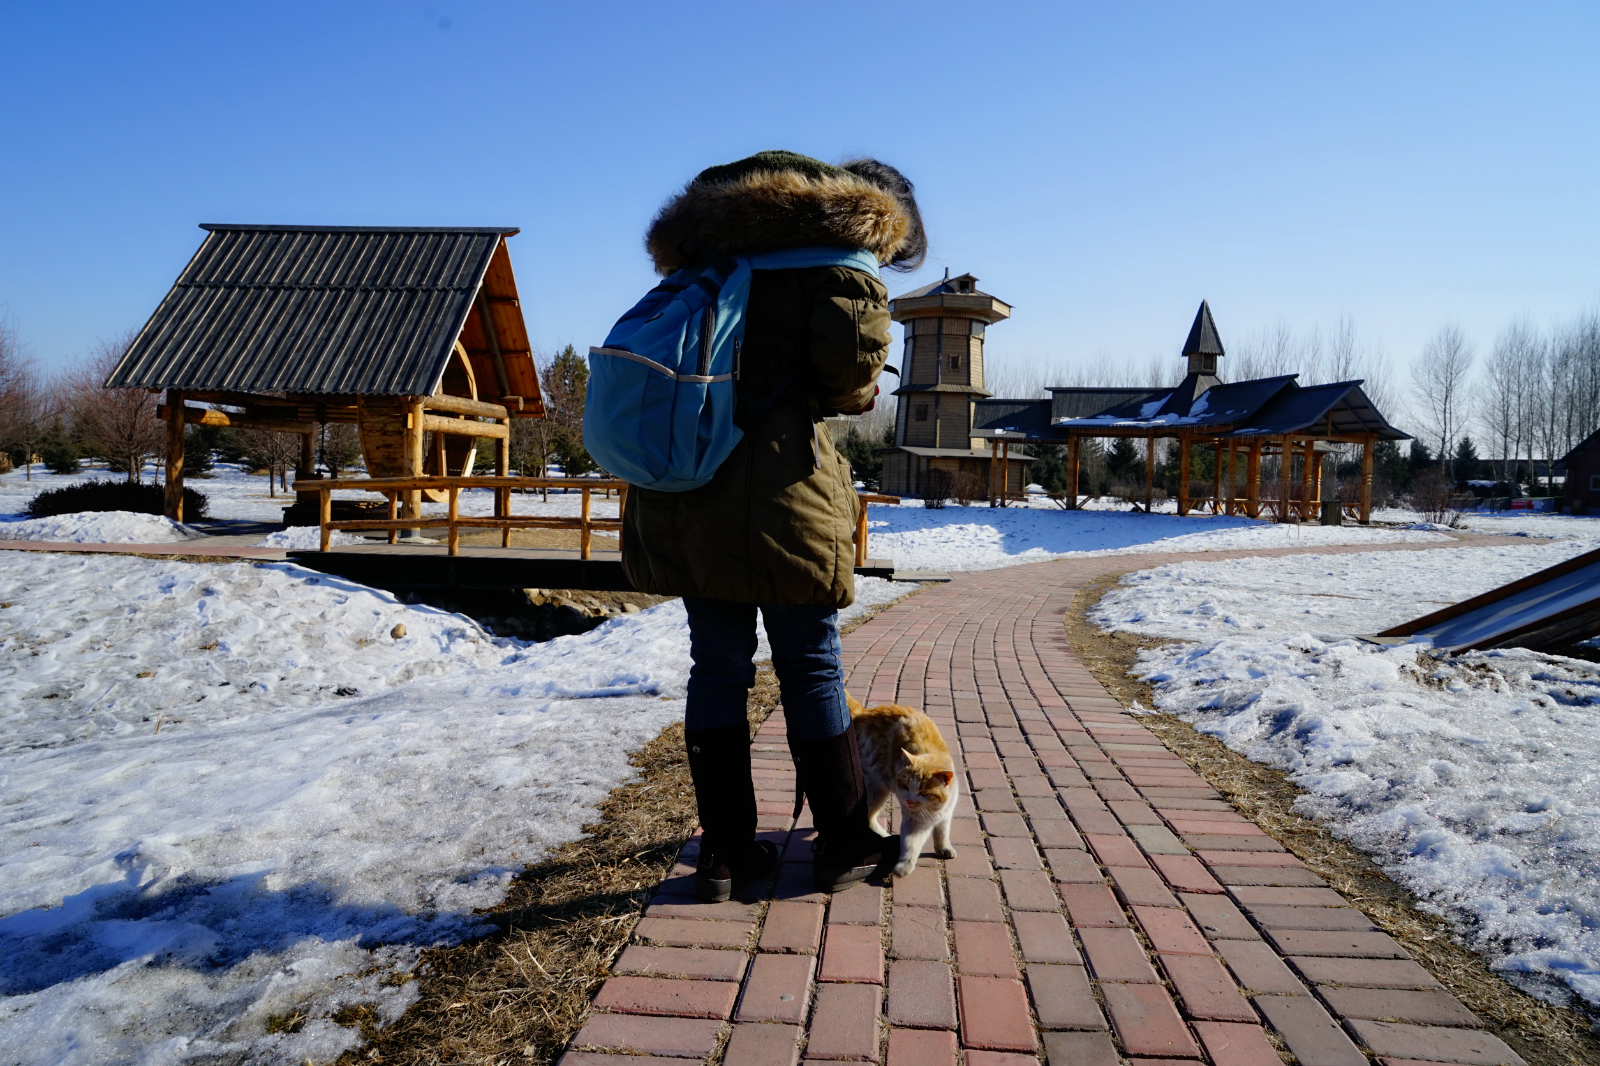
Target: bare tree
point(118, 425)
point(1439, 377)
point(27, 400)
point(274, 451)
point(1505, 395)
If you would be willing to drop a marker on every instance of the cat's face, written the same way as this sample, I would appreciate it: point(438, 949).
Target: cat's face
point(925, 782)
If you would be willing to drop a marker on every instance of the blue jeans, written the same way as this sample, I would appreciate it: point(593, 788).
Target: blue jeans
point(805, 656)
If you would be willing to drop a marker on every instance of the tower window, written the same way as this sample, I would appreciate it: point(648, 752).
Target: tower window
point(922, 412)
point(955, 362)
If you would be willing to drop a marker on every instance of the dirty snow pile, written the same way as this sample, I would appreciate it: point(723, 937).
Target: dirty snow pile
point(232, 792)
point(99, 527)
point(1474, 780)
point(983, 537)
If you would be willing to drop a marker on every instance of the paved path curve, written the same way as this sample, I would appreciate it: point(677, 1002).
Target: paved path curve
point(1106, 905)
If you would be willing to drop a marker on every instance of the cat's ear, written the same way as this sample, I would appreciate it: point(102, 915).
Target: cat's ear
point(911, 760)
point(944, 777)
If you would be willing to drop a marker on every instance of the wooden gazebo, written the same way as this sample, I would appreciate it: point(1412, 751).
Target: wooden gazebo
point(1240, 422)
point(413, 334)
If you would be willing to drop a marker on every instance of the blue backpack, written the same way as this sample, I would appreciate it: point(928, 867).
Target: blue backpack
point(662, 389)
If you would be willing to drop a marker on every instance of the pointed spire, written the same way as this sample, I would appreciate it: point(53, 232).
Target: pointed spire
point(1203, 339)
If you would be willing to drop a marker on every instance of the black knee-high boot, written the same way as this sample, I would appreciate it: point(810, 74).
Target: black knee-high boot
point(719, 762)
point(847, 850)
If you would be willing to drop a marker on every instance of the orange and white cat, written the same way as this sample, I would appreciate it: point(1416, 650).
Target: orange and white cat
point(902, 754)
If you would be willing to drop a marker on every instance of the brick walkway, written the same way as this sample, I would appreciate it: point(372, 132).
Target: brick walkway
point(1106, 905)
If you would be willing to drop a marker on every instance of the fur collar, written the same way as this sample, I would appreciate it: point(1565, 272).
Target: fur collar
point(768, 210)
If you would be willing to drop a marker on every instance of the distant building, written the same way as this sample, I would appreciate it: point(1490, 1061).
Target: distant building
point(1240, 423)
point(1582, 468)
point(941, 374)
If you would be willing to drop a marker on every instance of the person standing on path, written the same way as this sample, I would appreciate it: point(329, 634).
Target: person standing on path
point(773, 531)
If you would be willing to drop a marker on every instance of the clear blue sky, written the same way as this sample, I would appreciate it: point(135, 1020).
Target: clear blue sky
point(1100, 166)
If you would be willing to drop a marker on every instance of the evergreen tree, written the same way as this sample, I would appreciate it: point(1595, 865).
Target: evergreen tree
point(865, 454)
point(565, 383)
point(1124, 462)
point(1389, 467)
point(1467, 464)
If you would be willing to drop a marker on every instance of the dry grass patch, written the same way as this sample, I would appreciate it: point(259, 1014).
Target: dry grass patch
point(1543, 1034)
point(519, 995)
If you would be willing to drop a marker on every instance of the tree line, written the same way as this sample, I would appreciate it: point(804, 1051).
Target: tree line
point(59, 420)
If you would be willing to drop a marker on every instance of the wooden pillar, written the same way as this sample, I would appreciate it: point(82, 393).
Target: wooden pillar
point(1005, 472)
point(994, 467)
point(1233, 481)
point(174, 497)
point(1252, 478)
point(1366, 479)
point(308, 457)
point(502, 468)
point(1285, 478)
point(412, 503)
point(1183, 475)
point(1149, 472)
point(1308, 477)
point(1072, 470)
point(1316, 485)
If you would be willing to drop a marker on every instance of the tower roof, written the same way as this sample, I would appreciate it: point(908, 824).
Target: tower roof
point(1203, 339)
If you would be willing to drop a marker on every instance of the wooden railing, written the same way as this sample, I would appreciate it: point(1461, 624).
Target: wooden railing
point(503, 519)
point(393, 487)
point(861, 522)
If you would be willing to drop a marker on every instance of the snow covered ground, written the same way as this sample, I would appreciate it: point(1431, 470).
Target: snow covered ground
point(99, 527)
point(982, 537)
point(1473, 780)
point(231, 792)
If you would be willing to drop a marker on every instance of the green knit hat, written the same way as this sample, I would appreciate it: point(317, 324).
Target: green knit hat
point(763, 161)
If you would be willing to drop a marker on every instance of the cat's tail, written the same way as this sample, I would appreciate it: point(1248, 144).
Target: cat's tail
point(855, 708)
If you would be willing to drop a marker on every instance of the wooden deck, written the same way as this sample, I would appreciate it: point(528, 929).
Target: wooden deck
point(430, 566)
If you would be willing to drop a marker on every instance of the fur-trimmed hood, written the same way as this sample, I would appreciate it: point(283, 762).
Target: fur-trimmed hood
point(772, 201)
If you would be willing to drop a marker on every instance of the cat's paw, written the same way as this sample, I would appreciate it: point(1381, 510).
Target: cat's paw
point(945, 853)
point(904, 867)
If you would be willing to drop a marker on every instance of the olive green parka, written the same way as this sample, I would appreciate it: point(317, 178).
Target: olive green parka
point(776, 524)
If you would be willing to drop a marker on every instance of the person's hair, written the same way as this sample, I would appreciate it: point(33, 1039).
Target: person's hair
point(887, 178)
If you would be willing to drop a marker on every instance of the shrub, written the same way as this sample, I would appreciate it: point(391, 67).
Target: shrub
point(113, 496)
point(968, 486)
point(936, 488)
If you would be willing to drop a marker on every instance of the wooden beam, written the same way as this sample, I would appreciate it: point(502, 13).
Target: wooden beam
point(173, 501)
point(460, 405)
point(206, 416)
point(412, 504)
point(1005, 471)
point(994, 467)
point(462, 427)
point(308, 462)
point(1233, 474)
point(486, 321)
point(1216, 475)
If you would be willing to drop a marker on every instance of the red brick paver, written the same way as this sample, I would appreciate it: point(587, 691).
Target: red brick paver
point(1105, 904)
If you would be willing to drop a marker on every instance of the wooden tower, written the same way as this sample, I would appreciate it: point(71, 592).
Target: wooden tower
point(941, 374)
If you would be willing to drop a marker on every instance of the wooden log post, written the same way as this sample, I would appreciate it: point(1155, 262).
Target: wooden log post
point(173, 501)
point(1005, 472)
point(1286, 478)
point(1316, 489)
point(1216, 475)
point(1308, 478)
point(308, 457)
point(325, 516)
point(1233, 478)
point(1072, 471)
point(584, 529)
point(1252, 479)
point(1366, 479)
point(861, 534)
point(1149, 473)
point(393, 499)
point(1183, 475)
point(411, 506)
point(994, 468)
point(454, 494)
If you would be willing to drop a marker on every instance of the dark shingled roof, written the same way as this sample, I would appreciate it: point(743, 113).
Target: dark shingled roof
point(1341, 409)
point(1203, 339)
point(365, 310)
